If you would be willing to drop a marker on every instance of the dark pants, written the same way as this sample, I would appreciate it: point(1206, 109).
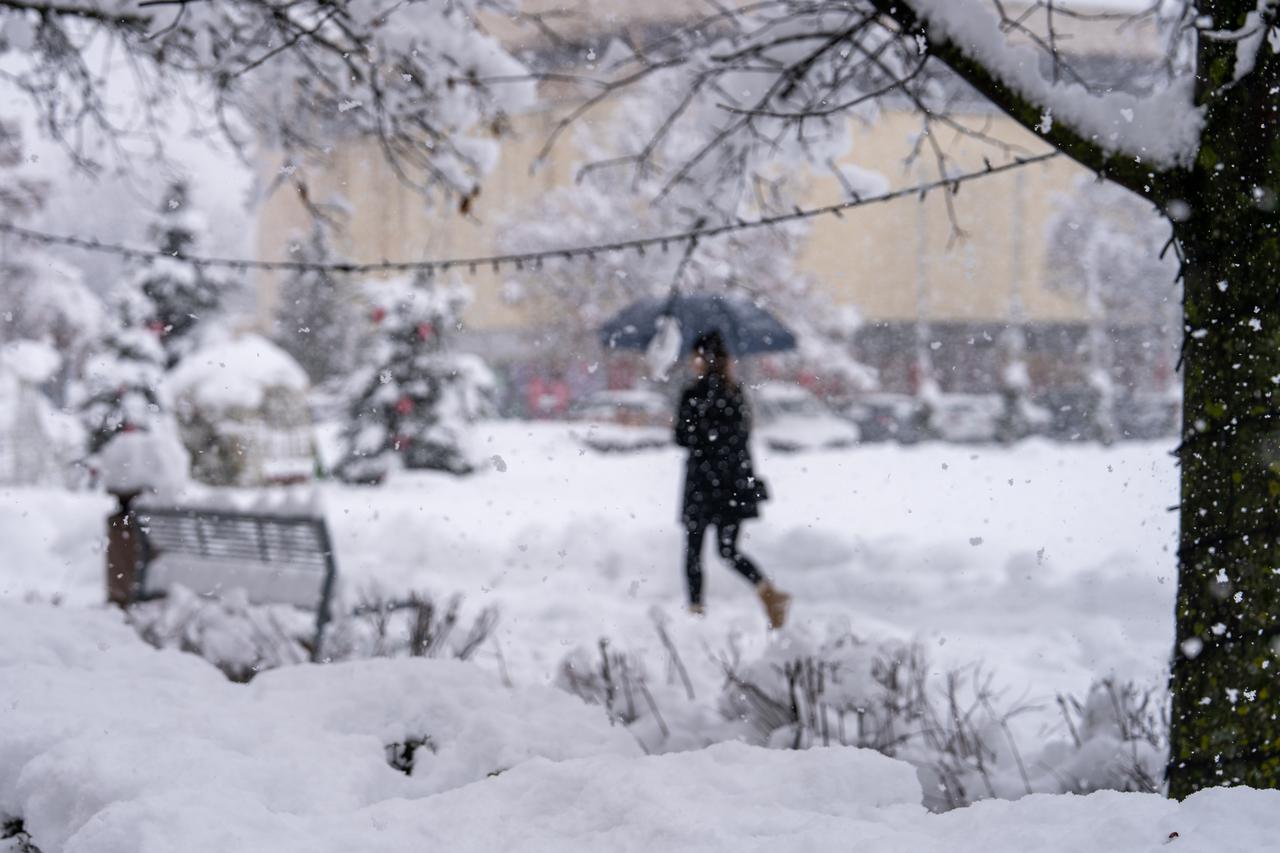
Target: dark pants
point(727, 540)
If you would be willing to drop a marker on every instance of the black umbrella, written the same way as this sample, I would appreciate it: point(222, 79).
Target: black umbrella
point(746, 328)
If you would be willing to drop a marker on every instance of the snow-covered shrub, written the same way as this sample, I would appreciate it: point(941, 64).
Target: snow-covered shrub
point(242, 410)
point(954, 728)
point(122, 387)
point(237, 637)
point(46, 301)
point(181, 294)
point(1119, 739)
point(39, 444)
point(242, 639)
point(14, 837)
point(383, 625)
point(414, 406)
point(957, 730)
point(614, 680)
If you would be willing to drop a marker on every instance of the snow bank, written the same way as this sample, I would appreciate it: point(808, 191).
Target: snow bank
point(235, 374)
point(108, 746)
point(102, 736)
point(477, 727)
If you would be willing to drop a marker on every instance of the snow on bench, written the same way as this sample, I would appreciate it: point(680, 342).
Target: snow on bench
point(274, 558)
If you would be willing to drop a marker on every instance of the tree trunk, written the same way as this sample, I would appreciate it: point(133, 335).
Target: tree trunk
point(1226, 662)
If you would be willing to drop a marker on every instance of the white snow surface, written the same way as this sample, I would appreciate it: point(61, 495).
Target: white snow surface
point(235, 374)
point(1074, 578)
point(31, 361)
point(144, 461)
point(108, 746)
point(1162, 128)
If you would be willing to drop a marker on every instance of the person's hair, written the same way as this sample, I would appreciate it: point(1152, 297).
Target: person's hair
point(711, 348)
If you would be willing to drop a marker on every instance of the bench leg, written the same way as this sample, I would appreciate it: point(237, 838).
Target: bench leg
point(124, 554)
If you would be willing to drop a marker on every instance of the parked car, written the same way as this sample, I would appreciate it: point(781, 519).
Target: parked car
point(885, 416)
point(789, 418)
point(623, 421)
point(1149, 414)
point(1071, 413)
point(965, 417)
point(629, 407)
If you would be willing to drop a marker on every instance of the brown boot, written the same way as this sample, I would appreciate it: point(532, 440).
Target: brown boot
point(776, 602)
point(697, 610)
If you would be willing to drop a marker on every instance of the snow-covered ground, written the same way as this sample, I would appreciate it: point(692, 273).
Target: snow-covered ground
point(1051, 565)
point(108, 746)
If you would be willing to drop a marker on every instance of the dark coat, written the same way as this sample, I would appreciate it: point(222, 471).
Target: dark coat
point(714, 423)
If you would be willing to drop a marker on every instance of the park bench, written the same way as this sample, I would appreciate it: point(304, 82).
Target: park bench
point(275, 559)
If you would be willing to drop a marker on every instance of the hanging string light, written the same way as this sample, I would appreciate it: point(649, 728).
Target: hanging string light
point(518, 260)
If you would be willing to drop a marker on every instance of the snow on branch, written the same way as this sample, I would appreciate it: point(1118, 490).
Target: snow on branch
point(104, 79)
point(1260, 25)
point(1162, 129)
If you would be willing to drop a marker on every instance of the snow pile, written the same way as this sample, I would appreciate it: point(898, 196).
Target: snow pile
point(1163, 127)
point(238, 637)
point(144, 461)
point(236, 374)
point(101, 735)
point(107, 746)
point(475, 727)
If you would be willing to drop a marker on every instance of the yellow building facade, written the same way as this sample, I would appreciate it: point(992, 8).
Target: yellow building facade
point(981, 259)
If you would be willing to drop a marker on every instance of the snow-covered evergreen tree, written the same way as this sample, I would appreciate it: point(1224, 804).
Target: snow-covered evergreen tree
point(122, 379)
point(415, 405)
point(317, 321)
point(43, 298)
point(182, 293)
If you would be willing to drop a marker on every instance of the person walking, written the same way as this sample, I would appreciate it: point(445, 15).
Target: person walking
point(721, 489)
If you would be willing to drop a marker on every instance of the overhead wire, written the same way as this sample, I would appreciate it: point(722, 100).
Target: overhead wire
point(519, 260)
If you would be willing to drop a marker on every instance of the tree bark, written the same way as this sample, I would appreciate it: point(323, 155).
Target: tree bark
point(1225, 679)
